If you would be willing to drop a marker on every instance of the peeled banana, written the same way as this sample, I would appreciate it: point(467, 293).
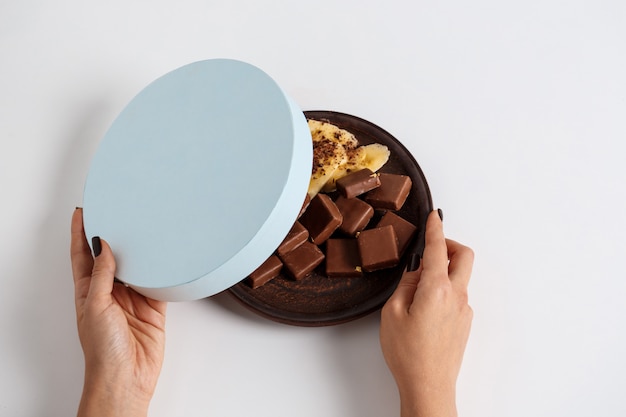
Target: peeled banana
point(376, 155)
point(336, 153)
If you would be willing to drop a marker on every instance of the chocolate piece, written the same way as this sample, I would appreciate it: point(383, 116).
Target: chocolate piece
point(303, 260)
point(321, 218)
point(405, 230)
point(356, 214)
point(378, 248)
point(357, 183)
point(342, 258)
point(268, 270)
point(296, 237)
point(392, 192)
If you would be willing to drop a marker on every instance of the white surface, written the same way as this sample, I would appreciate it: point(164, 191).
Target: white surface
point(183, 185)
point(515, 111)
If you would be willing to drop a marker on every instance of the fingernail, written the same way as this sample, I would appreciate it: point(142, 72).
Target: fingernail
point(78, 208)
point(440, 212)
point(97, 246)
point(414, 263)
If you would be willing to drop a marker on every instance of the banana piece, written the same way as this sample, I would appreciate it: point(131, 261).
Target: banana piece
point(321, 131)
point(327, 157)
point(354, 161)
point(376, 155)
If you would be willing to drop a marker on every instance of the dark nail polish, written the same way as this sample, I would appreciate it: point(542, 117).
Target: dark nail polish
point(414, 263)
point(96, 245)
point(440, 212)
point(78, 208)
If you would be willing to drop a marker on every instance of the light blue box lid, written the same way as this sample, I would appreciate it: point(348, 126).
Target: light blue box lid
point(199, 179)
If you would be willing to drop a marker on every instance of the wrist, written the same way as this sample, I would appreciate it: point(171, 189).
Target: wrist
point(428, 402)
point(106, 397)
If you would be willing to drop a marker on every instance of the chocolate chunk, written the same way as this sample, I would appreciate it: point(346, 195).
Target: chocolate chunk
point(267, 271)
point(356, 214)
point(296, 237)
point(357, 183)
point(392, 192)
point(378, 248)
point(303, 260)
point(342, 258)
point(321, 218)
point(404, 229)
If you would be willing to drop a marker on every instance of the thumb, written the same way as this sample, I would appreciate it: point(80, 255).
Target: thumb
point(405, 291)
point(103, 272)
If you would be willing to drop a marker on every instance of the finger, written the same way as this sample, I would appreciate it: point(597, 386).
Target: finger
point(405, 291)
point(80, 255)
point(103, 273)
point(435, 259)
point(461, 262)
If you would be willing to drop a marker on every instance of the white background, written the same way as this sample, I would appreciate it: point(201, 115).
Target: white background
point(515, 110)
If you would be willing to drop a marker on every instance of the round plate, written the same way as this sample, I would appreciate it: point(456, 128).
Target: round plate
point(320, 301)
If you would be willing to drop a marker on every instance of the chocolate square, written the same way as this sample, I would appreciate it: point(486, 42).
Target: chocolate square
point(296, 237)
point(357, 183)
point(303, 260)
point(356, 214)
point(378, 248)
point(268, 270)
point(342, 258)
point(321, 218)
point(392, 193)
point(404, 229)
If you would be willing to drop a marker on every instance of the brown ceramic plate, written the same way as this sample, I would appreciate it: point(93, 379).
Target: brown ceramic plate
point(320, 301)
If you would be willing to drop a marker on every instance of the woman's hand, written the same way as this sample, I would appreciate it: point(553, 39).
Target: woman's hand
point(122, 333)
point(425, 325)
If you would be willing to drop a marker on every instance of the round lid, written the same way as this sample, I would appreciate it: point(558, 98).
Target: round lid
point(199, 179)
